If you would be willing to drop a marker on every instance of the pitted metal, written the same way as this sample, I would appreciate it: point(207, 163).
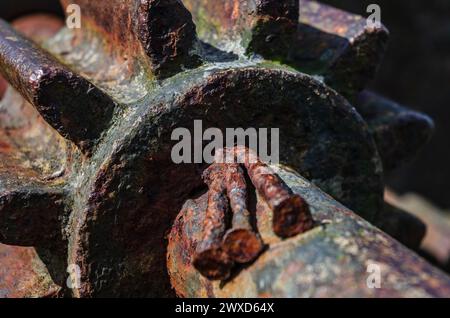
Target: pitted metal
point(86, 175)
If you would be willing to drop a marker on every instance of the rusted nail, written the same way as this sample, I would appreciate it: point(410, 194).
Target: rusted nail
point(30, 214)
point(210, 258)
point(241, 243)
point(337, 45)
point(69, 103)
point(291, 214)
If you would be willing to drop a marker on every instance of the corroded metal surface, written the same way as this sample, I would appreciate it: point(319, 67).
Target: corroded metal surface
point(307, 35)
point(22, 274)
point(401, 225)
point(71, 104)
point(241, 241)
point(227, 191)
point(256, 26)
point(159, 34)
point(121, 210)
point(339, 46)
point(103, 190)
point(32, 155)
point(210, 258)
point(33, 163)
point(122, 167)
point(399, 132)
point(316, 264)
point(291, 215)
point(39, 27)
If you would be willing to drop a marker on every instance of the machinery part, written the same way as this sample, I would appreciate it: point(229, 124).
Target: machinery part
point(251, 27)
point(399, 132)
point(211, 260)
point(241, 242)
point(141, 32)
point(24, 275)
point(401, 225)
point(111, 190)
point(332, 44)
point(413, 72)
point(291, 214)
point(32, 17)
point(339, 46)
point(216, 251)
point(38, 27)
point(25, 7)
point(315, 264)
point(69, 103)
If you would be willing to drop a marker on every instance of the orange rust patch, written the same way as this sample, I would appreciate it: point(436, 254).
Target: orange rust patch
point(23, 275)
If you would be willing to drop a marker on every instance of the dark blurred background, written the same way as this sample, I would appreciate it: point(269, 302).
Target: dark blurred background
point(416, 73)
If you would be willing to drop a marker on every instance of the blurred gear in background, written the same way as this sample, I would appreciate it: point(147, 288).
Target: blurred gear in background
point(416, 72)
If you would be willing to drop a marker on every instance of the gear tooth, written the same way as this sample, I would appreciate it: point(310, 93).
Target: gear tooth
point(69, 103)
point(338, 46)
point(264, 27)
point(30, 214)
point(139, 29)
point(400, 133)
point(33, 161)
